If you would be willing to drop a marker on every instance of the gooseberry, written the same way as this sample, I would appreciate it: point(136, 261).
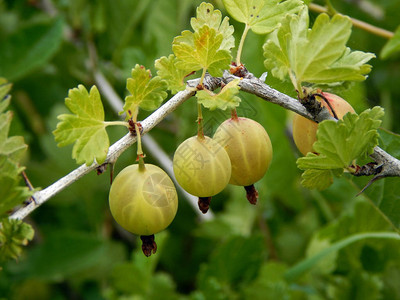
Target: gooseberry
point(143, 200)
point(202, 168)
point(305, 130)
point(249, 149)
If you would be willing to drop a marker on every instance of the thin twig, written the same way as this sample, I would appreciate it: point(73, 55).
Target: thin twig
point(250, 84)
point(113, 153)
point(357, 23)
point(253, 85)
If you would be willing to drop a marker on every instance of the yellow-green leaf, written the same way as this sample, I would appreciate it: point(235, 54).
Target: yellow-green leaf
point(146, 92)
point(206, 15)
point(225, 99)
point(167, 70)
point(260, 15)
point(339, 144)
point(201, 50)
point(85, 127)
point(317, 55)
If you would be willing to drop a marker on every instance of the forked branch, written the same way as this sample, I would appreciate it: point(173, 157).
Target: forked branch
point(390, 166)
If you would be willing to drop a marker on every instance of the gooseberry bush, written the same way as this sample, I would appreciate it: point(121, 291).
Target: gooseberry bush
point(256, 99)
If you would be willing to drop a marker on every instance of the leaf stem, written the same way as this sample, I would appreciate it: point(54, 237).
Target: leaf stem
point(113, 123)
point(240, 48)
point(140, 154)
point(296, 84)
point(234, 115)
point(200, 131)
point(356, 23)
point(330, 8)
point(202, 76)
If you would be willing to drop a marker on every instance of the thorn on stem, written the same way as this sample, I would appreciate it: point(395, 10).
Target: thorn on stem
point(375, 178)
point(27, 181)
point(29, 185)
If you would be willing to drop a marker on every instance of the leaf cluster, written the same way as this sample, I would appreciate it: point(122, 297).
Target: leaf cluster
point(12, 151)
point(14, 235)
point(86, 127)
point(262, 17)
point(317, 55)
point(208, 46)
point(339, 145)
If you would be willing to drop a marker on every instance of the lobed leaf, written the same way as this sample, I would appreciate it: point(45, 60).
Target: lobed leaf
point(226, 98)
point(261, 16)
point(168, 71)
point(317, 55)
point(385, 193)
point(206, 15)
point(12, 193)
point(339, 144)
point(146, 92)
point(208, 47)
point(12, 148)
point(85, 128)
point(201, 50)
point(29, 48)
point(316, 179)
point(13, 235)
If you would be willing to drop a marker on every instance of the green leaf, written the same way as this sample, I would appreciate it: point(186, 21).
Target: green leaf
point(317, 179)
point(305, 265)
point(208, 47)
point(317, 55)
point(11, 193)
point(385, 193)
point(392, 46)
point(65, 253)
point(271, 282)
point(368, 285)
point(168, 71)
point(226, 98)
point(139, 275)
point(146, 92)
point(85, 128)
point(350, 67)
point(234, 261)
point(11, 147)
point(339, 143)
point(29, 48)
point(201, 50)
point(237, 219)
point(261, 16)
point(206, 15)
point(5, 88)
point(14, 234)
point(12, 150)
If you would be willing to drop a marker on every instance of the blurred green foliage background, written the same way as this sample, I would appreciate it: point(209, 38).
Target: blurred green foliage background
point(244, 252)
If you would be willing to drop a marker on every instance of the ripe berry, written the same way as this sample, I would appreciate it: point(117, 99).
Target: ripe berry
point(202, 167)
point(249, 149)
point(143, 202)
point(305, 130)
